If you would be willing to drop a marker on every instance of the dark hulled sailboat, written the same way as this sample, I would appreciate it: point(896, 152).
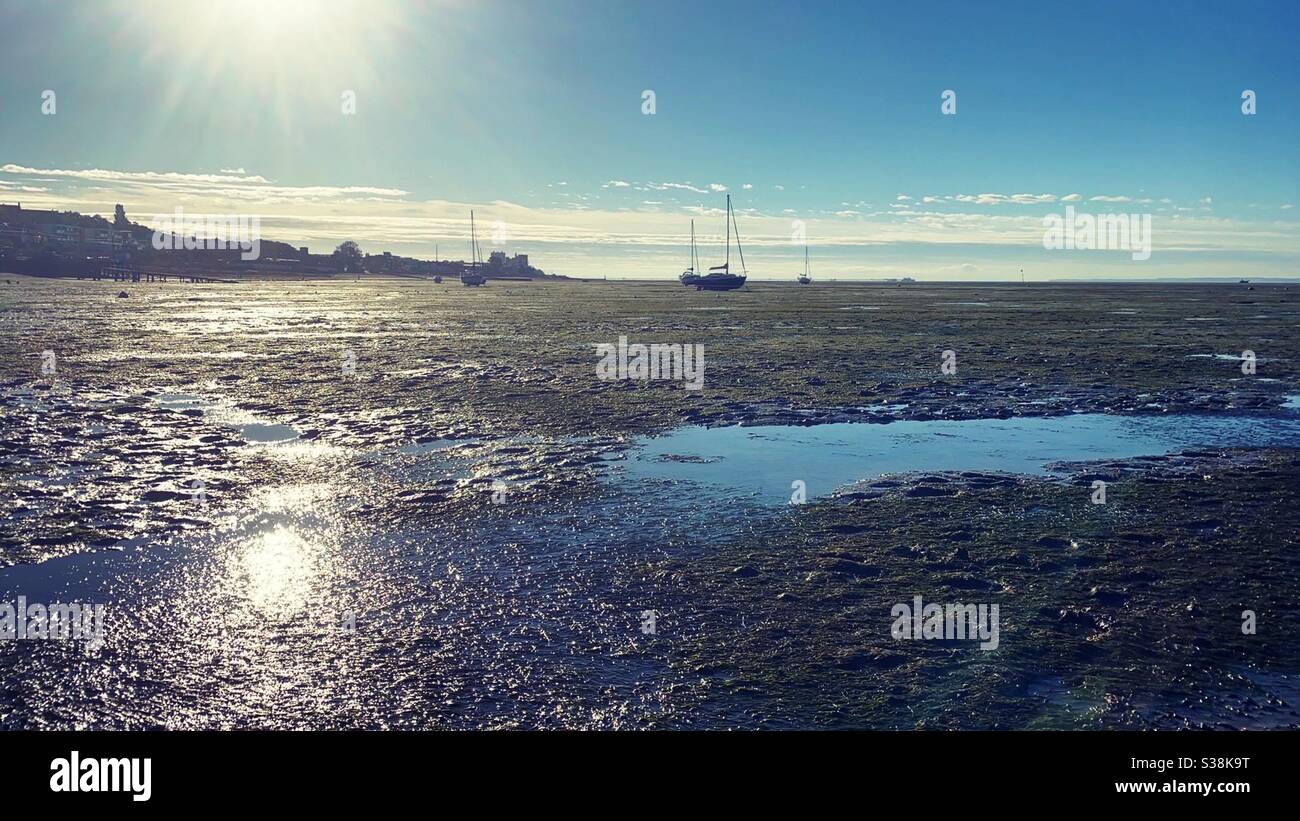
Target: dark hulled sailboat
point(689, 277)
point(804, 278)
point(472, 277)
point(719, 277)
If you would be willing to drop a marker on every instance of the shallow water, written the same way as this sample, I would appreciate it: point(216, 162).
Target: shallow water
point(761, 462)
point(251, 428)
point(526, 615)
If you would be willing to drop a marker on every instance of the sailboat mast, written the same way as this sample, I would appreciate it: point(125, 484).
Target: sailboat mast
point(692, 245)
point(473, 243)
point(739, 250)
point(728, 233)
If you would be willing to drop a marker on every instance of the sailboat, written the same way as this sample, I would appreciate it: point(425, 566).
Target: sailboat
point(719, 277)
point(804, 279)
point(689, 277)
point(472, 277)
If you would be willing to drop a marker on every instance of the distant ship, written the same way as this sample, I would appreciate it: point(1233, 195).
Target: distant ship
point(804, 279)
point(472, 277)
point(719, 277)
point(689, 277)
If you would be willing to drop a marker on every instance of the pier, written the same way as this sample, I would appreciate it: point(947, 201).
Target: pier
point(120, 274)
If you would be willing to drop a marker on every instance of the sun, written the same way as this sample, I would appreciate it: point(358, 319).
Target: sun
point(271, 41)
point(282, 18)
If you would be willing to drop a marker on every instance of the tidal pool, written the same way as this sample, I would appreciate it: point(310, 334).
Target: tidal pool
point(252, 429)
point(761, 462)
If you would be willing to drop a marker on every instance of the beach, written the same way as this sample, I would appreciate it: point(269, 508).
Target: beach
point(385, 503)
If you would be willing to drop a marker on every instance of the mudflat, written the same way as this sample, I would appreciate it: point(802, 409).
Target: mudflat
point(295, 494)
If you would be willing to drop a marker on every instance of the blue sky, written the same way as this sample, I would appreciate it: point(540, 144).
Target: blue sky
point(532, 114)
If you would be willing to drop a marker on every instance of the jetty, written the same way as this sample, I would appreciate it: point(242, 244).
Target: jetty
point(122, 274)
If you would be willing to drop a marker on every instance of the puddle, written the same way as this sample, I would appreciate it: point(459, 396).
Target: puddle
point(255, 431)
point(433, 446)
point(761, 462)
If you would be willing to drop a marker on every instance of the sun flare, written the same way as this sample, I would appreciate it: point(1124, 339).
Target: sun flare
point(279, 42)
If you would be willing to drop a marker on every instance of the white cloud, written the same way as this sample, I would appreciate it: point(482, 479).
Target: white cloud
point(131, 176)
point(251, 188)
point(680, 186)
point(1004, 199)
point(13, 186)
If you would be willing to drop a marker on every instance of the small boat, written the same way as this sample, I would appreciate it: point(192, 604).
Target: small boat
point(804, 279)
point(689, 277)
point(719, 277)
point(472, 278)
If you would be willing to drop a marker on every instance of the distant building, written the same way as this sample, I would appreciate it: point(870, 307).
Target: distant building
point(15, 213)
point(517, 265)
point(81, 242)
point(62, 230)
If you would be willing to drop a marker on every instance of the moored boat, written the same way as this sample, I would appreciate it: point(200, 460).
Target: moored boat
point(719, 277)
point(472, 277)
point(689, 277)
point(804, 278)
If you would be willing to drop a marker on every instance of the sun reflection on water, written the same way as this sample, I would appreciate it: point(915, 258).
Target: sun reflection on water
point(276, 568)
